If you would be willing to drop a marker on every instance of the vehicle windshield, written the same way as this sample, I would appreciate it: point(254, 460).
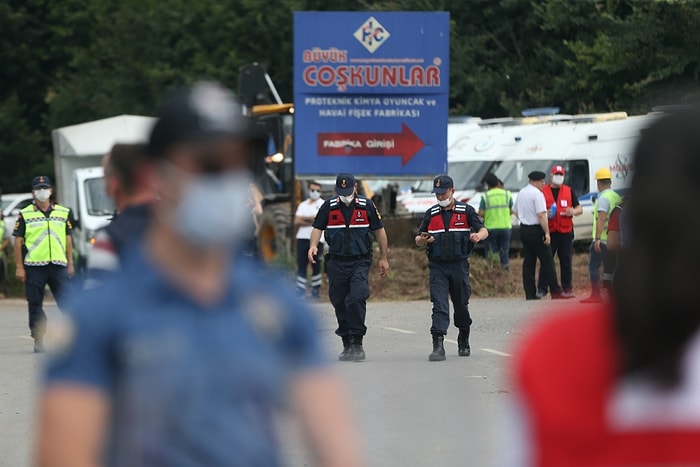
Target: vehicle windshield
point(467, 175)
point(98, 203)
point(5, 203)
point(514, 173)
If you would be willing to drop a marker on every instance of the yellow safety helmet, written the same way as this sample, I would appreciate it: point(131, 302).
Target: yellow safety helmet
point(603, 174)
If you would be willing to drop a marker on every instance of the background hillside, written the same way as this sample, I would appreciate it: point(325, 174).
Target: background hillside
point(76, 60)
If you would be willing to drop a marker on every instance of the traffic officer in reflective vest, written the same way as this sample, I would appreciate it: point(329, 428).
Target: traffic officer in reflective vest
point(561, 228)
point(43, 254)
point(349, 221)
point(448, 230)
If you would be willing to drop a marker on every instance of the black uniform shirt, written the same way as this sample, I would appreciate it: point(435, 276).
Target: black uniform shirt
point(321, 219)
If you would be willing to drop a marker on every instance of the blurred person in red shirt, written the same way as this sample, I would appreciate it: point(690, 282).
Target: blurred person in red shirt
point(618, 383)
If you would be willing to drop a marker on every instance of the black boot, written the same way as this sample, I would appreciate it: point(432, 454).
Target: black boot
point(438, 348)
point(463, 349)
point(358, 353)
point(347, 354)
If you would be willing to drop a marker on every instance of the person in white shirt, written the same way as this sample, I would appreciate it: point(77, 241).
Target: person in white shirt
point(304, 217)
point(531, 209)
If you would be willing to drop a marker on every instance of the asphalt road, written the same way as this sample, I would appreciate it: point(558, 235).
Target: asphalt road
point(411, 412)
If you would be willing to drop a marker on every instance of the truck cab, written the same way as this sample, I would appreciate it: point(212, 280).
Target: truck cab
point(91, 209)
point(78, 154)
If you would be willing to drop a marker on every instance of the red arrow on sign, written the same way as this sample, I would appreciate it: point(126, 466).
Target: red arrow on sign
point(405, 144)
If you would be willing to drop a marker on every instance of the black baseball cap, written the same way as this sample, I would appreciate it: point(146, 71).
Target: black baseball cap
point(536, 175)
point(42, 181)
point(442, 183)
point(345, 184)
point(202, 112)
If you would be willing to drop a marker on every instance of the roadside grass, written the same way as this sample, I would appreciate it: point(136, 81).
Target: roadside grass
point(408, 277)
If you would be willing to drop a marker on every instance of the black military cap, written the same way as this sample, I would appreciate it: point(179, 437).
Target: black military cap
point(536, 175)
point(442, 183)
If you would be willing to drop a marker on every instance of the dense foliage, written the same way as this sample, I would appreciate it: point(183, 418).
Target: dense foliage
point(69, 61)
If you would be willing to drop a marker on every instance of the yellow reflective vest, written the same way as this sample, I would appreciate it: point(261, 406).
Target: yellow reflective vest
point(497, 203)
point(614, 199)
point(45, 237)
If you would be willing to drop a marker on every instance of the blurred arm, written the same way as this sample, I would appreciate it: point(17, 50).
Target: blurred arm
point(323, 411)
point(72, 426)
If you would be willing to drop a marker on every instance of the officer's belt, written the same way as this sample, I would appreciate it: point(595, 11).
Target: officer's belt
point(347, 258)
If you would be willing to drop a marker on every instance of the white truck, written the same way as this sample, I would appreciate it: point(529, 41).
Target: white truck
point(581, 144)
point(475, 147)
point(79, 185)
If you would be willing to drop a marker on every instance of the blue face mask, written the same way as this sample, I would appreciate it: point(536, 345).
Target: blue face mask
point(214, 210)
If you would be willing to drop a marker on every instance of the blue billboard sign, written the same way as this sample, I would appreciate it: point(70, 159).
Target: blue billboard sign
point(371, 93)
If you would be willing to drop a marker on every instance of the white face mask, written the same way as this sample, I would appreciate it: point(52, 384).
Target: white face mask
point(557, 179)
point(213, 210)
point(314, 195)
point(445, 202)
point(42, 194)
point(347, 199)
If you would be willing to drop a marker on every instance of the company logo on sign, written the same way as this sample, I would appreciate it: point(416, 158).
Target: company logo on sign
point(372, 34)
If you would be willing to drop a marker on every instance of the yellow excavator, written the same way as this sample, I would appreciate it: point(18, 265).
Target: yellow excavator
point(276, 187)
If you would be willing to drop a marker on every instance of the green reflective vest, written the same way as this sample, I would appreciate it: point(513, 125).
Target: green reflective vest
point(497, 202)
point(614, 200)
point(45, 237)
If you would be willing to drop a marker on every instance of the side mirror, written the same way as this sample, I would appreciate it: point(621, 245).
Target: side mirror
point(594, 197)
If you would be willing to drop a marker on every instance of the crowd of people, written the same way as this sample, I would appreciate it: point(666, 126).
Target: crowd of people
point(182, 345)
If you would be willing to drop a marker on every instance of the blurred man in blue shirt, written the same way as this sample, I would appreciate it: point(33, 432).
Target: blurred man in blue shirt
point(184, 356)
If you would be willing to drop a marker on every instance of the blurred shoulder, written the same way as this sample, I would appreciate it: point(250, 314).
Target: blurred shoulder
point(568, 332)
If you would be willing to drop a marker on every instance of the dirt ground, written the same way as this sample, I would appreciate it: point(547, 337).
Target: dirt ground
point(408, 277)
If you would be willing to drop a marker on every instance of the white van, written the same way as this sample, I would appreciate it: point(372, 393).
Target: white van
point(581, 145)
point(475, 148)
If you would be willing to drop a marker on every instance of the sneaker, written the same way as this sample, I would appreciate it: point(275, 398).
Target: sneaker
point(567, 293)
point(541, 293)
point(592, 299)
point(536, 297)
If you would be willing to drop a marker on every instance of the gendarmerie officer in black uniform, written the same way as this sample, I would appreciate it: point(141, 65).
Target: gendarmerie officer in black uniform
point(349, 220)
point(449, 230)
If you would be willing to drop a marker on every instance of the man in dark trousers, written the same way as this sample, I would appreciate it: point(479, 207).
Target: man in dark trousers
point(349, 220)
point(448, 231)
point(531, 209)
point(561, 228)
point(43, 254)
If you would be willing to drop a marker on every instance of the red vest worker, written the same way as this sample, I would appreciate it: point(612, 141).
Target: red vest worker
point(561, 227)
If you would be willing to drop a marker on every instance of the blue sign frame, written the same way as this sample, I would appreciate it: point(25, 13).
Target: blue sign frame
point(371, 93)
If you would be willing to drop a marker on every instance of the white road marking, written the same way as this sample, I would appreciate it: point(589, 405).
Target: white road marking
point(497, 352)
point(450, 341)
point(402, 331)
point(25, 337)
